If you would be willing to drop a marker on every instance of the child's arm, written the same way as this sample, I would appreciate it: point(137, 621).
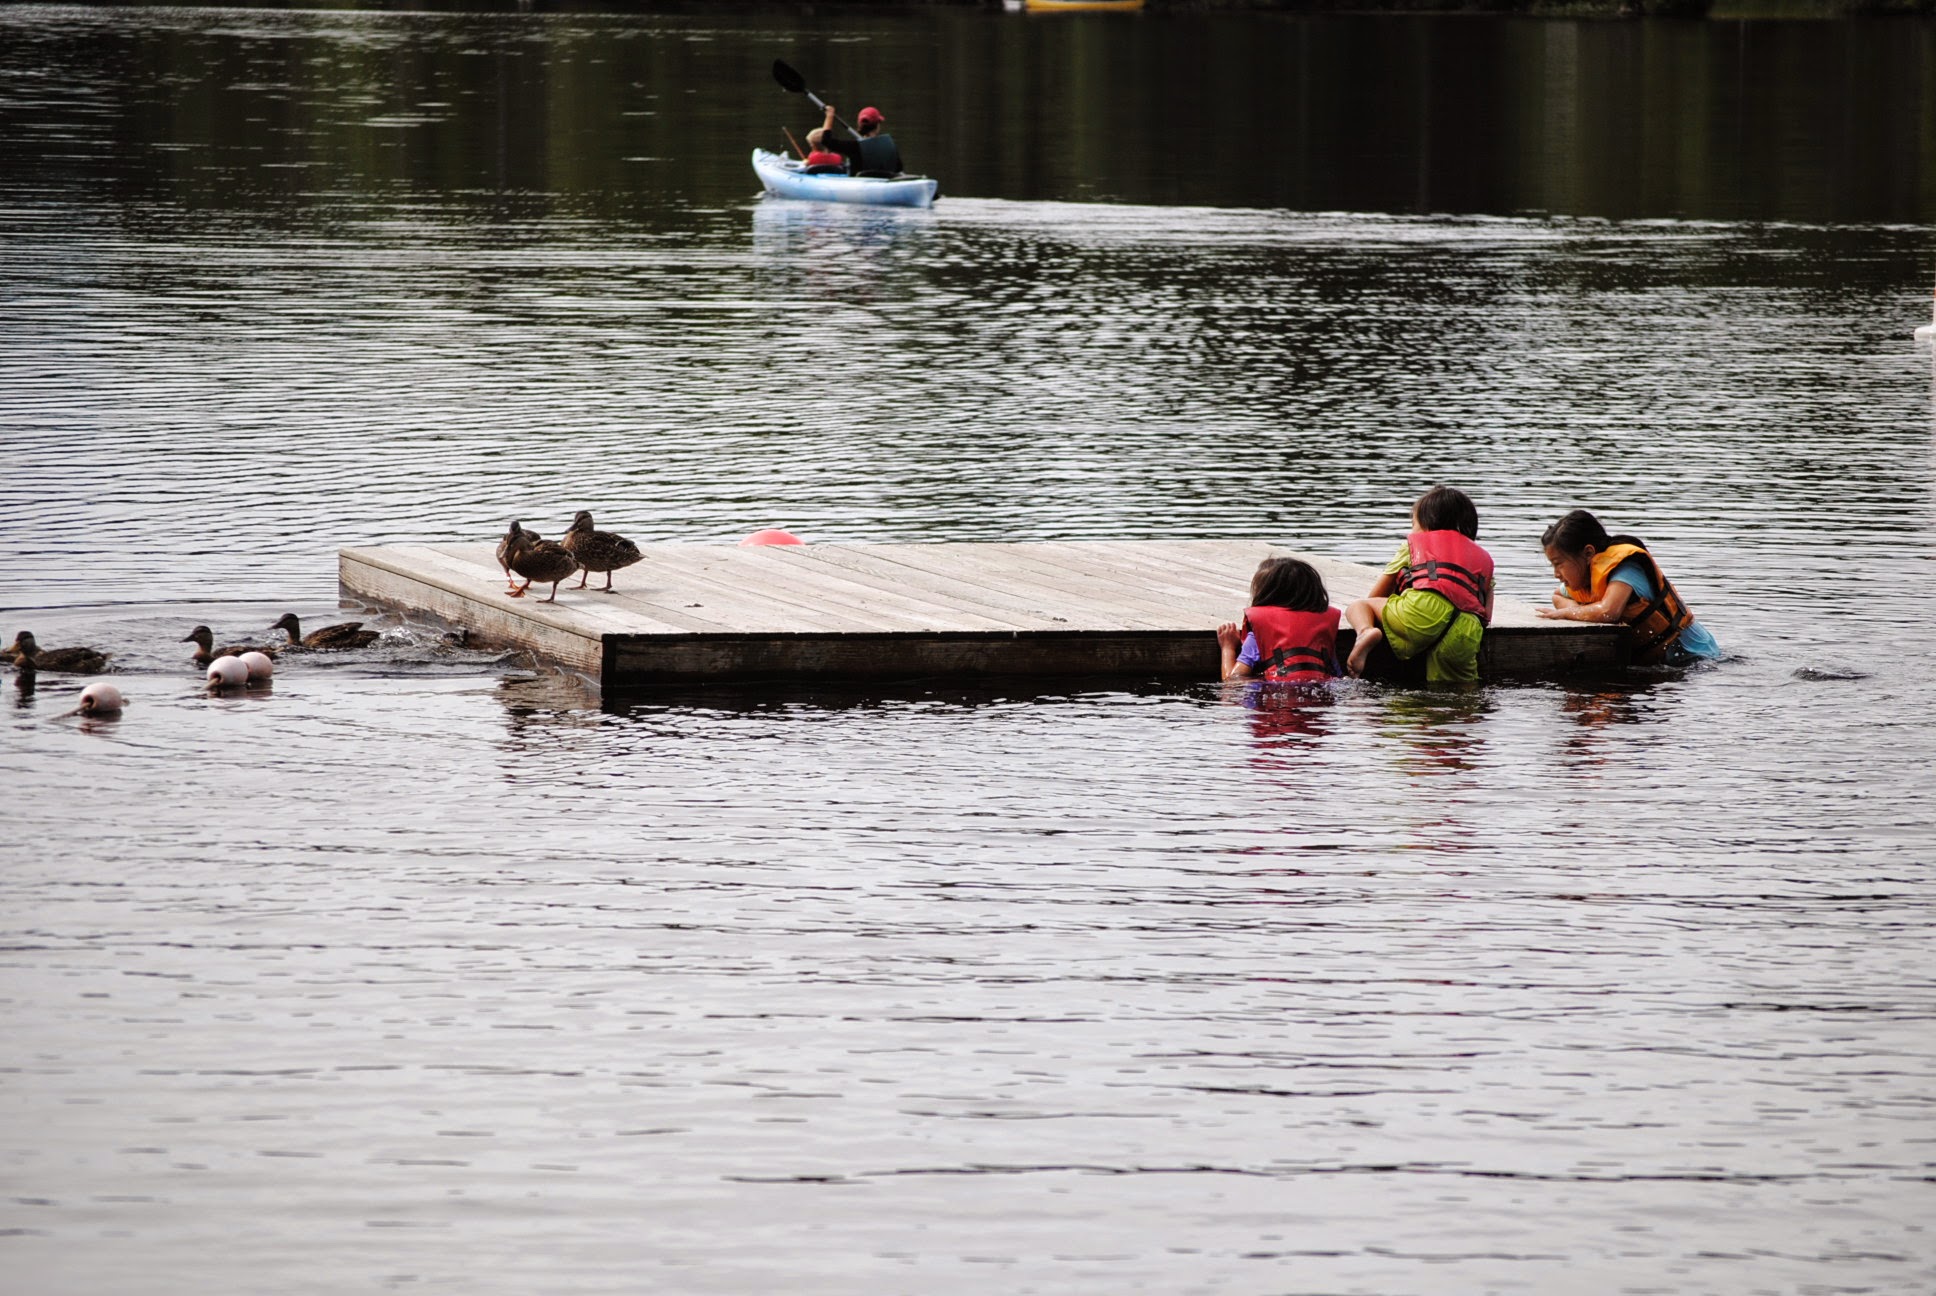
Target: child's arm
point(1611, 605)
point(1384, 585)
point(1230, 641)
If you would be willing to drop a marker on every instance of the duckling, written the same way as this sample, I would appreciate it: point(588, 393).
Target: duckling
point(350, 634)
point(504, 548)
point(205, 650)
point(101, 699)
point(540, 560)
point(598, 550)
point(29, 656)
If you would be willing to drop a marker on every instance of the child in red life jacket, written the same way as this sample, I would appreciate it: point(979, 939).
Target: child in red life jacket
point(1435, 597)
point(1289, 632)
point(820, 160)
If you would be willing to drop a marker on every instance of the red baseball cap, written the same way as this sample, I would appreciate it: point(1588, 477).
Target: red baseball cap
point(868, 116)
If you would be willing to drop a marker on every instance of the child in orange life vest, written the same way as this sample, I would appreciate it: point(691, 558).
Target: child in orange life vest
point(820, 160)
point(1435, 597)
point(1289, 632)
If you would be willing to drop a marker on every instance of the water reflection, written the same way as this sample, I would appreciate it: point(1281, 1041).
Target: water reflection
point(786, 229)
point(570, 114)
point(1438, 732)
point(1285, 718)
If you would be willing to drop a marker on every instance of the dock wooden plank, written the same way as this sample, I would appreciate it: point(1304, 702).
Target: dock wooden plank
point(813, 597)
point(1222, 568)
point(975, 574)
point(885, 567)
point(807, 568)
point(1106, 601)
point(1201, 582)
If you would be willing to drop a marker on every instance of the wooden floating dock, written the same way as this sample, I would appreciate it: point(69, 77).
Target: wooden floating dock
point(690, 613)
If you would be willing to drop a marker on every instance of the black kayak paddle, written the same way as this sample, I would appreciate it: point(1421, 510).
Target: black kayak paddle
point(793, 83)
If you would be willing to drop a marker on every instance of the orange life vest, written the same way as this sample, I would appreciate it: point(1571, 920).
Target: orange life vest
point(1653, 625)
point(1297, 647)
point(1447, 563)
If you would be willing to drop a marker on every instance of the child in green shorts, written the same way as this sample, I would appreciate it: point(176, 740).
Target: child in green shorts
point(1435, 597)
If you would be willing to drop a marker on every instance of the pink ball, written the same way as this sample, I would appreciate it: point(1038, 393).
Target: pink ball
point(771, 536)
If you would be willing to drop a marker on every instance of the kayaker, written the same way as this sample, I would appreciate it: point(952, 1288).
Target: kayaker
point(874, 153)
point(1290, 630)
point(1607, 578)
point(820, 159)
point(1435, 597)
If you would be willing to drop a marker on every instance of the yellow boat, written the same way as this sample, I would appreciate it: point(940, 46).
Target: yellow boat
point(1082, 6)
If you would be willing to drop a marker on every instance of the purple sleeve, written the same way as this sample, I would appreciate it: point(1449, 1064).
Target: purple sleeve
point(1251, 653)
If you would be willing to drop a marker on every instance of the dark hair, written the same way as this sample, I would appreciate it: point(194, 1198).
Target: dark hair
point(1288, 583)
point(1446, 508)
point(1578, 529)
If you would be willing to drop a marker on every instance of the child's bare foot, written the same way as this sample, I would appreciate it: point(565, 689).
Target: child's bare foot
point(1361, 647)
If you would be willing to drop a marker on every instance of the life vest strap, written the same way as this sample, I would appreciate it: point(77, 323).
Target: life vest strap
point(1451, 573)
point(1438, 569)
point(1297, 659)
point(1655, 624)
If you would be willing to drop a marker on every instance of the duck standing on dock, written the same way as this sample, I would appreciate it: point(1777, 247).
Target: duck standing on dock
point(598, 550)
point(350, 634)
point(205, 650)
point(28, 656)
point(504, 547)
point(538, 560)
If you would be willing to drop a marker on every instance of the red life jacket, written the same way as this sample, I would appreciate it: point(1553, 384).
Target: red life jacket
point(1447, 563)
point(1298, 647)
point(817, 158)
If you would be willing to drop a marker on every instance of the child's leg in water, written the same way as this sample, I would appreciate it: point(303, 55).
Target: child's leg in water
point(1362, 617)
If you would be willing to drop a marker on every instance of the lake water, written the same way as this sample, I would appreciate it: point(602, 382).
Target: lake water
point(428, 970)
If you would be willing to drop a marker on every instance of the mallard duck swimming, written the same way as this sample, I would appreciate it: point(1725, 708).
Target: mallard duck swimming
point(205, 650)
point(350, 634)
point(504, 547)
point(29, 656)
point(598, 550)
point(539, 560)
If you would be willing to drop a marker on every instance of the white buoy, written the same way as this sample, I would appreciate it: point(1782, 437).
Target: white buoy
point(261, 666)
point(227, 672)
point(101, 698)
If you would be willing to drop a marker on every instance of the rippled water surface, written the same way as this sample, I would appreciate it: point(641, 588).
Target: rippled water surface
point(430, 969)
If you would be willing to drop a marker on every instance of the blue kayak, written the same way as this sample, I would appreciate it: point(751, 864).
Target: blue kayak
point(783, 178)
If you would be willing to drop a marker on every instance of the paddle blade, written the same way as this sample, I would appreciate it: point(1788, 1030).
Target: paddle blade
point(790, 81)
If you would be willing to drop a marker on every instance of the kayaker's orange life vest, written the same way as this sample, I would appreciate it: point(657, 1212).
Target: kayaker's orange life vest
point(1297, 647)
point(1447, 563)
point(1654, 625)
